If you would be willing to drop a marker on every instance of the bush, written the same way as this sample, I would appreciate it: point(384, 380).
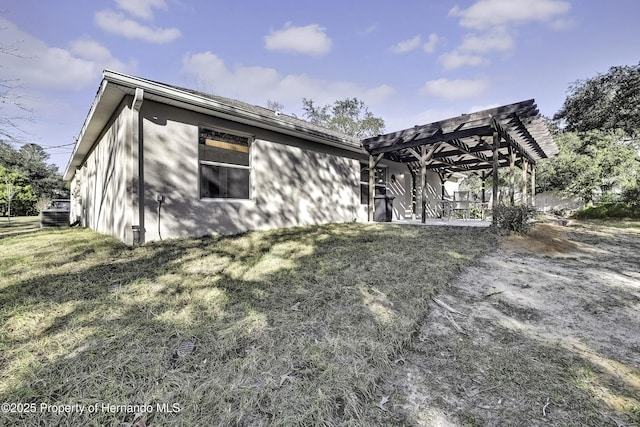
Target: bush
point(610, 210)
point(631, 195)
point(515, 218)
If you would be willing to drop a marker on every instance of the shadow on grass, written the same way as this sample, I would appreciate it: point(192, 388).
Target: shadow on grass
point(292, 326)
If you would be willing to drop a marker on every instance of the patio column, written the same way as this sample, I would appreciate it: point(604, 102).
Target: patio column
point(442, 192)
point(373, 162)
point(372, 183)
point(512, 176)
point(414, 195)
point(496, 164)
point(423, 181)
point(533, 185)
point(484, 187)
point(525, 166)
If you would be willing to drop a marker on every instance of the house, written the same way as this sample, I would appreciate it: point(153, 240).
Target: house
point(157, 161)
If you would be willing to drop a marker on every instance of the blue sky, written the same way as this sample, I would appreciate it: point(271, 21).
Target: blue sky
point(412, 62)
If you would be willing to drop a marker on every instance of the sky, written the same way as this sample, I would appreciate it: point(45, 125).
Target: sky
point(412, 62)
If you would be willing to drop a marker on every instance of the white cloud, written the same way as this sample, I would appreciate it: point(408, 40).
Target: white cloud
point(496, 40)
point(486, 14)
point(90, 49)
point(309, 40)
point(117, 23)
point(414, 43)
point(46, 67)
point(208, 72)
point(455, 59)
point(141, 8)
point(370, 29)
point(563, 24)
point(454, 89)
point(431, 43)
point(407, 45)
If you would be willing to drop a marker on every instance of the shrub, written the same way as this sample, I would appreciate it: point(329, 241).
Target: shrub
point(610, 210)
point(515, 218)
point(631, 195)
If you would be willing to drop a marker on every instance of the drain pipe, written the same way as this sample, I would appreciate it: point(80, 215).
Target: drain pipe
point(137, 196)
point(159, 199)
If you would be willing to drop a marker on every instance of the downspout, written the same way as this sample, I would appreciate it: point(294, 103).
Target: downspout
point(137, 182)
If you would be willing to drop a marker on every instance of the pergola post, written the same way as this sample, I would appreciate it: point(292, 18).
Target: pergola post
point(442, 192)
point(525, 166)
point(512, 176)
point(533, 185)
point(414, 195)
point(423, 181)
point(496, 164)
point(484, 187)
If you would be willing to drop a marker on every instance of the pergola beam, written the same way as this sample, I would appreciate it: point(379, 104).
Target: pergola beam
point(500, 129)
point(432, 139)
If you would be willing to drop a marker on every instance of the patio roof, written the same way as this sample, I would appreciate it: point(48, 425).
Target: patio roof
point(465, 143)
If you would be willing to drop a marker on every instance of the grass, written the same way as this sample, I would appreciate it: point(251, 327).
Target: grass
point(286, 327)
point(610, 210)
point(18, 224)
point(520, 364)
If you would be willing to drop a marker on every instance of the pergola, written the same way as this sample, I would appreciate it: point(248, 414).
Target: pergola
point(480, 143)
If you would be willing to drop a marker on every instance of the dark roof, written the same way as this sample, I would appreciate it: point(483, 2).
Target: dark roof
point(464, 143)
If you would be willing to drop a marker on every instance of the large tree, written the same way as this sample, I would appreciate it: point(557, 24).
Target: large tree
point(27, 171)
point(350, 116)
point(589, 164)
point(597, 135)
point(12, 110)
point(16, 195)
point(608, 101)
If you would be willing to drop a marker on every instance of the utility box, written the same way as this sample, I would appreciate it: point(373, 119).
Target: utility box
point(57, 215)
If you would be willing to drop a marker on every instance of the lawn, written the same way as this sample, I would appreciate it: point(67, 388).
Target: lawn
point(18, 224)
point(288, 327)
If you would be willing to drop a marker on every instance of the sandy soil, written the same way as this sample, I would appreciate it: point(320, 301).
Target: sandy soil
point(549, 334)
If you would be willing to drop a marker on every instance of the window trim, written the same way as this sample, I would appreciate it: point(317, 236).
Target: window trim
point(250, 140)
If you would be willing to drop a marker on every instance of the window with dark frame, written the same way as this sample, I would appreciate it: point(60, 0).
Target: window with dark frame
point(224, 165)
point(380, 180)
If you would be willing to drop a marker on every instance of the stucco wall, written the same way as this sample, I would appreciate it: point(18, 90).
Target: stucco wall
point(99, 192)
point(294, 182)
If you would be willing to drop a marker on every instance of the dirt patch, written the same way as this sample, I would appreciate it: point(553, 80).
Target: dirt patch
point(549, 336)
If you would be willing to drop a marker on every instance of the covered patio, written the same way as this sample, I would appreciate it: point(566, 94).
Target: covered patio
point(480, 143)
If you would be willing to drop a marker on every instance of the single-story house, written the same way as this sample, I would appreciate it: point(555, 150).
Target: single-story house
point(157, 161)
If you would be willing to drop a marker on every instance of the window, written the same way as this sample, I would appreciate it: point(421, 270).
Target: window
point(380, 179)
point(224, 164)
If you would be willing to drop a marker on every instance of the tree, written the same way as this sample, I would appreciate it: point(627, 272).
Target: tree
point(608, 101)
point(350, 116)
point(274, 105)
point(589, 164)
point(12, 110)
point(9, 193)
point(16, 194)
point(30, 161)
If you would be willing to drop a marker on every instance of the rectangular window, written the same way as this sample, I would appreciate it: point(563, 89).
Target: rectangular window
point(380, 182)
point(224, 162)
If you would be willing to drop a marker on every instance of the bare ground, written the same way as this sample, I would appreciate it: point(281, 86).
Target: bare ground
point(549, 335)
